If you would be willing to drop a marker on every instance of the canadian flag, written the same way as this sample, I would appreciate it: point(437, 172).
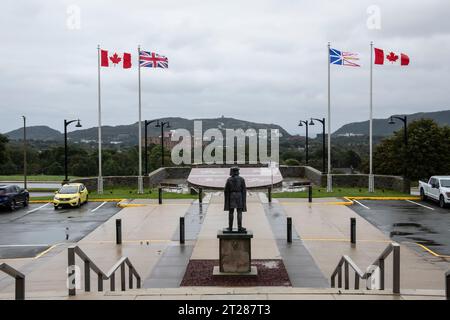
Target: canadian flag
point(115, 59)
point(388, 57)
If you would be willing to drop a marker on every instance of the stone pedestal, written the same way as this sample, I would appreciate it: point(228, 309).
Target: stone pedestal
point(234, 253)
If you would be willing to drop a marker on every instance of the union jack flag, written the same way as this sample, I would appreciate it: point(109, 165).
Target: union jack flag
point(152, 60)
point(343, 58)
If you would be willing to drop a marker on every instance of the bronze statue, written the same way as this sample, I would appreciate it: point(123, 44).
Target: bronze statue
point(235, 198)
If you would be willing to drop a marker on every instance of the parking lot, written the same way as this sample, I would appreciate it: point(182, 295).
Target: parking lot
point(421, 222)
point(29, 231)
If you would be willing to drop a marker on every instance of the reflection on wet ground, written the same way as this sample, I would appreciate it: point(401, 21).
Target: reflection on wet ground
point(408, 221)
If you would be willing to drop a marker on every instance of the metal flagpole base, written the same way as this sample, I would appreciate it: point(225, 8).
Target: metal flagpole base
point(140, 185)
point(100, 185)
point(371, 183)
point(329, 182)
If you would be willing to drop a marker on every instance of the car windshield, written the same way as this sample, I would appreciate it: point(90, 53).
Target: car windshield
point(445, 183)
point(68, 189)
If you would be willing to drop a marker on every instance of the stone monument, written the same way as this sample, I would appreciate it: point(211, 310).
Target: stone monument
point(235, 244)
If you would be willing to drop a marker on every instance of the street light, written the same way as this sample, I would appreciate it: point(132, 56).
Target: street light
point(300, 124)
point(161, 125)
point(146, 123)
point(404, 119)
point(66, 123)
point(24, 152)
point(311, 123)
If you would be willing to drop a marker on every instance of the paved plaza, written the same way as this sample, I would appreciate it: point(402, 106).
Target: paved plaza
point(150, 239)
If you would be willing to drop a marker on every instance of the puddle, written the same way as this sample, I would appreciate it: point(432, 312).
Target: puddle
point(400, 233)
point(425, 242)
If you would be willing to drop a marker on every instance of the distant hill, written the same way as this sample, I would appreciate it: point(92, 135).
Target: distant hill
point(128, 134)
point(381, 127)
point(42, 133)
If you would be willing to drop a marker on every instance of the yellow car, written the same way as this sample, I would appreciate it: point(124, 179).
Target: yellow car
point(72, 195)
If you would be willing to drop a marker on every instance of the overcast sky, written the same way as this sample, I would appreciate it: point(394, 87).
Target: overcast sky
point(263, 61)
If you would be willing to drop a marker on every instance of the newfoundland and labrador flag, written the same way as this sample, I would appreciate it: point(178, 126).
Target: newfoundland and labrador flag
point(343, 58)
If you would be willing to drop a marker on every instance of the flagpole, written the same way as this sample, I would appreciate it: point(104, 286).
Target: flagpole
point(100, 178)
point(371, 178)
point(140, 179)
point(329, 176)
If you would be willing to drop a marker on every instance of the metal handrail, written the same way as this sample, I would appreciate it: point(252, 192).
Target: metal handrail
point(110, 275)
point(346, 261)
point(18, 276)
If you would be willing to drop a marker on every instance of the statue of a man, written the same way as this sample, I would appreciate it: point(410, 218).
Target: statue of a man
point(235, 198)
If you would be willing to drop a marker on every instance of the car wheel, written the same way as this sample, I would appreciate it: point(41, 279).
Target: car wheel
point(441, 201)
point(79, 203)
point(25, 203)
point(87, 199)
point(55, 207)
point(12, 205)
point(423, 197)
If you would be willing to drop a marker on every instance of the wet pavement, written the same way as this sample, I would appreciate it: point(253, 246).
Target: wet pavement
point(409, 221)
point(28, 231)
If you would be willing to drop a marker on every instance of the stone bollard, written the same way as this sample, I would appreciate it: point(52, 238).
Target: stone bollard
point(160, 195)
point(353, 230)
point(182, 230)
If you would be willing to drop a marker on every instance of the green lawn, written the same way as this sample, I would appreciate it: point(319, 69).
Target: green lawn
point(19, 178)
point(123, 193)
point(340, 192)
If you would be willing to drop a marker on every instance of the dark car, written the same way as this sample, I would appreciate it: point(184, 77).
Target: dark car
point(11, 196)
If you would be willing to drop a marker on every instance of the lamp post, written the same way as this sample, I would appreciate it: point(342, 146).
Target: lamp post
point(161, 124)
point(146, 123)
point(300, 124)
point(311, 123)
point(24, 152)
point(66, 123)
point(404, 119)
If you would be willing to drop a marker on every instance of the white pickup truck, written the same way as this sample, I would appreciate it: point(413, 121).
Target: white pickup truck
point(437, 188)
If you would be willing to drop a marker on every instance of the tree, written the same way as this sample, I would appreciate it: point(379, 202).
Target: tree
point(427, 153)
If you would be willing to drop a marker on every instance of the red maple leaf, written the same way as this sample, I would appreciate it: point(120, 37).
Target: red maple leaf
point(392, 57)
point(115, 58)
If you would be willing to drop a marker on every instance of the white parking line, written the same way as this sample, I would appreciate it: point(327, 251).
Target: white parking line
point(419, 204)
point(95, 209)
point(361, 204)
point(31, 211)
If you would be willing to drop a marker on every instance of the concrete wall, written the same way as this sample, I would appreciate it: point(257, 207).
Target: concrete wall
point(353, 180)
point(292, 171)
point(152, 180)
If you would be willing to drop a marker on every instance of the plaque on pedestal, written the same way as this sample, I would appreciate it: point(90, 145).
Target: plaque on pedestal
point(234, 253)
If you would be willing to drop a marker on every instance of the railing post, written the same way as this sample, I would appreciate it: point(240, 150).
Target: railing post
point(112, 282)
point(71, 271)
point(269, 193)
point(87, 276)
point(447, 285)
point(356, 281)
point(200, 195)
point(353, 231)
point(340, 277)
point(289, 229)
point(396, 269)
point(346, 276)
point(100, 281)
point(118, 231)
point(130, 277)
point(182, 230)
point(160, 195)
point(310, 193)
point(122, 277)
point(381, 265)
point(20, 288)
